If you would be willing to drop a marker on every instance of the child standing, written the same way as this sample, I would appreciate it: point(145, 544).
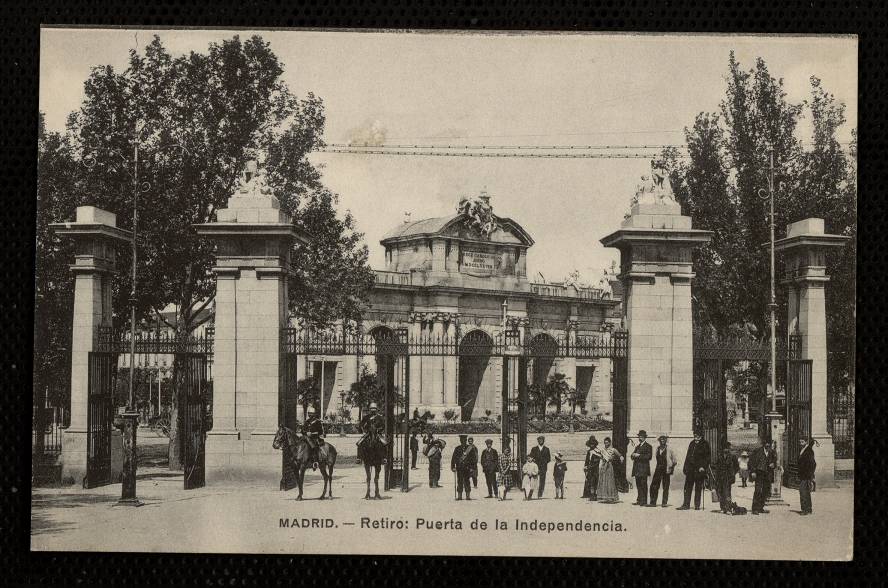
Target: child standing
point(744, 467)
point(531, 478)
point(558, 474)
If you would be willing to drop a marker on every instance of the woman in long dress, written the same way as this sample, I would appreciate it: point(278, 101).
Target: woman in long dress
point(504, 471)
point(607, 484)
point(531, 478)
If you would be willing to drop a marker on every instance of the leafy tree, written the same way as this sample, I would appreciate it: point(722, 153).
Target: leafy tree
point(719, 187)
point(308, 393)
point(196, 119)
point(54, 299)
point(557, 391)
point(366, 390)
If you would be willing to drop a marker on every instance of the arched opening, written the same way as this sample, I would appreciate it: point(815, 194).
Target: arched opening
point(543, 349)
point(476, 391)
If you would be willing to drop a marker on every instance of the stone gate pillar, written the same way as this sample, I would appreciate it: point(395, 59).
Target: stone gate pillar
point(96, 237)
point(656, 244)
point(253, 240)
point(805, 247)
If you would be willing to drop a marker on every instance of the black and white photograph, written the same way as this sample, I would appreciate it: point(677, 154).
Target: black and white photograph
point(445, 293)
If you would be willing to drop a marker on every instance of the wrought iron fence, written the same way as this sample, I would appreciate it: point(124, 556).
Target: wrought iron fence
point(745, 348)
point(152, 342)
point(299, 341)
point(841, 424)
point(46, 440)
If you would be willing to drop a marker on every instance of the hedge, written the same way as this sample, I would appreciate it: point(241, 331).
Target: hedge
point(551, 423)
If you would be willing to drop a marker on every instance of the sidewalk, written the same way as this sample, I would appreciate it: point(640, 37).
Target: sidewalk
point(247, 518)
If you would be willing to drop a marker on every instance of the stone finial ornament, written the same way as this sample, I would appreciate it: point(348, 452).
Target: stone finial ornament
point(253, 181)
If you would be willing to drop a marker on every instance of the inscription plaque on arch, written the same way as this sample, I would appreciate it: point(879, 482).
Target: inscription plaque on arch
point(479, 262)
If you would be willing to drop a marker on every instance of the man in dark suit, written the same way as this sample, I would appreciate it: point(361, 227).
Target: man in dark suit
point(463, 461)
point(490, 465)
point(641, 467)
point(541, 457)
point(762, 463)
point(414, 450)
point(807, 465)
point(696, 465)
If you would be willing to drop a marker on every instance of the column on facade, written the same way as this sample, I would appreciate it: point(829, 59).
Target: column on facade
point(451, 362)
point(414, 333)
point(804, 248)
point(96, 237)
point(438, 332)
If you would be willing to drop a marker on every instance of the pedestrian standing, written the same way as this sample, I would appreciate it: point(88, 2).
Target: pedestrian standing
point(531, 477)
point(558, 472)
point(505, 471)
point(641, 467)
point(591, 467)
point(473, 469)
point(725, 473)
point(490, 465)
point(434, 450)
point(414, 450)
point(607, 483)
point(664, 466)
point(696, 466)
point(541, 458)
point(462, 462)
point(807, 465)
point(762, 463)
point(743, 463)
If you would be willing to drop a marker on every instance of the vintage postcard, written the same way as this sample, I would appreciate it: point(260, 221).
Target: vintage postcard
point(445, 293)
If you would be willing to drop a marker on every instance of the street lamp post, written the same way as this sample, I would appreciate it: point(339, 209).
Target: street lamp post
point(773, 417)
point(130, 416)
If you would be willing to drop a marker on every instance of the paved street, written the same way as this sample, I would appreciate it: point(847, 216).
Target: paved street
point(247, 518)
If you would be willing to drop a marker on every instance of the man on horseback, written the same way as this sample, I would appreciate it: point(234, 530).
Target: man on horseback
point(314, 432)
point(372, 424)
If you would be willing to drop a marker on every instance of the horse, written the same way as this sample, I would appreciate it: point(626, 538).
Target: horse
point(297, 451)
point(372, 453)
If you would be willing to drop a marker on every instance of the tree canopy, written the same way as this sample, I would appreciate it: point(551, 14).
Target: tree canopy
point(718, 185)
point(197, 119)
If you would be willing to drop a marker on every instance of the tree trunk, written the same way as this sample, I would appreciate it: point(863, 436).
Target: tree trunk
point(175, 447)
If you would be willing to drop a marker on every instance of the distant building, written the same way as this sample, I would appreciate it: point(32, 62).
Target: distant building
point(464, 276)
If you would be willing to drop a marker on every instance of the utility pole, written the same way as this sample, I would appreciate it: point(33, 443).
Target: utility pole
point(773, 417)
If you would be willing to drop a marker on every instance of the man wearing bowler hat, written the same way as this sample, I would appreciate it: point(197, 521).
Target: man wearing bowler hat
point(696, 464)
point(641, 467)
point(664, 465)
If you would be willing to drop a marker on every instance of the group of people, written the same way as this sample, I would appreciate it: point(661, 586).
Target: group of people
point(600, 467)
point(500, 471)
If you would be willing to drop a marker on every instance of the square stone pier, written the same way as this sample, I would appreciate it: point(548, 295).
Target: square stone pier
point(254, 241)
point(656, 243)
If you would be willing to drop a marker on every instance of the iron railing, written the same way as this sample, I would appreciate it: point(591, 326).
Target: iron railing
point(742, 348)
point(476, 343)
point(841, 424)
point(151, 342)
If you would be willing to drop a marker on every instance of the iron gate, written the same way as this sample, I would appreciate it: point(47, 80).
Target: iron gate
point(713, 356)
point(514, 413)
point(189, 360)
point(100, 414)
point(620, 411)
point(193, 416)
point(798, 416)
point(393, 350)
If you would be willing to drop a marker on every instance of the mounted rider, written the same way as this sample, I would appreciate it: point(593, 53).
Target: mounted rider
point(372, 424)
point(314, 433)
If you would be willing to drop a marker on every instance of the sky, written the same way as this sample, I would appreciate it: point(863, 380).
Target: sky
point(489, 89)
